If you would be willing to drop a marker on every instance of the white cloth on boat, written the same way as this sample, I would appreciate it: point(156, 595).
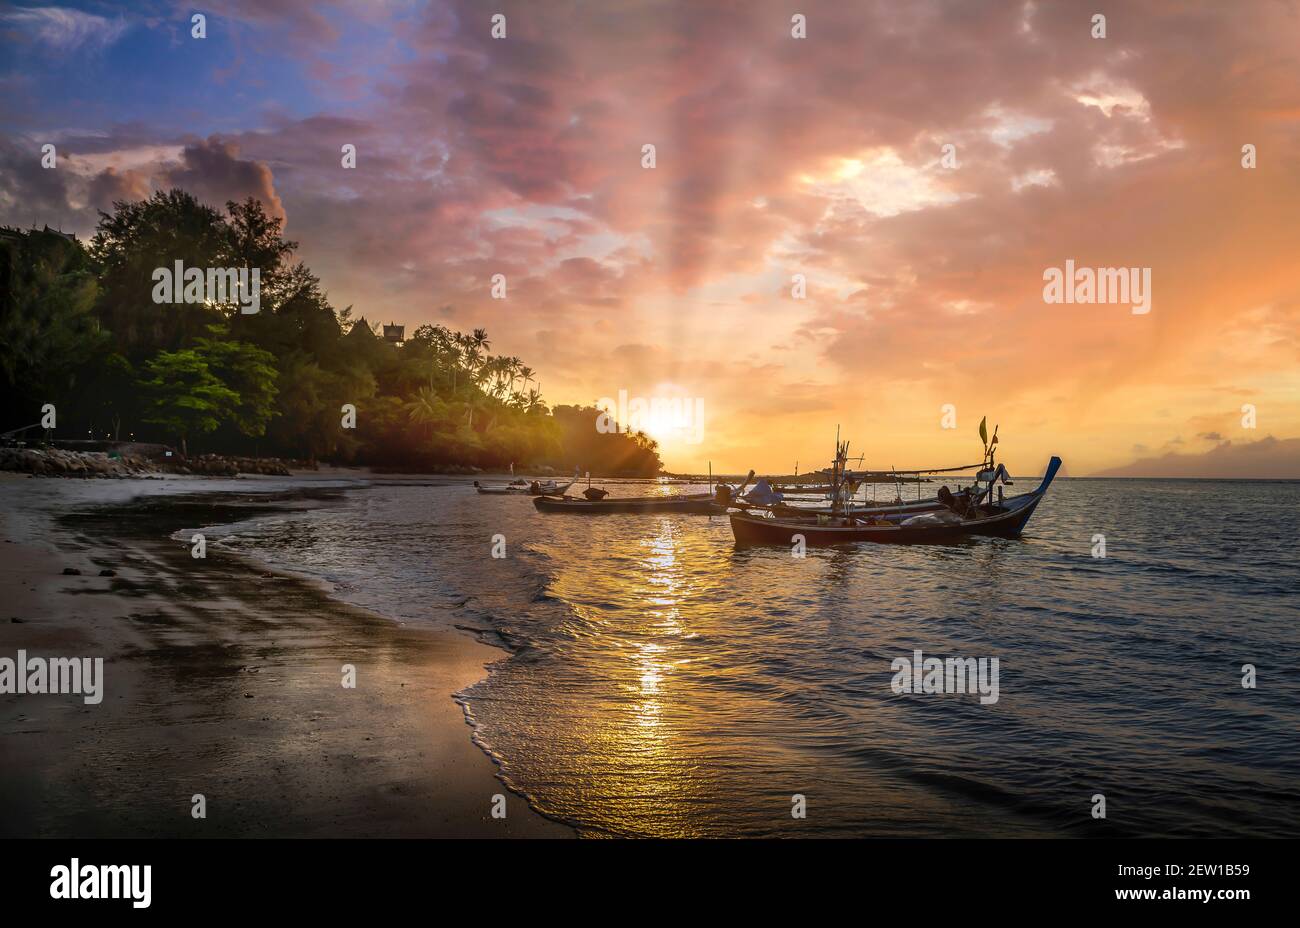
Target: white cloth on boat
point(939, 517)
point(763, 494)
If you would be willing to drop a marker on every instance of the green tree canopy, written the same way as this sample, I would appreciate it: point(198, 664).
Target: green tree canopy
point(81, 329)
point(183, 396)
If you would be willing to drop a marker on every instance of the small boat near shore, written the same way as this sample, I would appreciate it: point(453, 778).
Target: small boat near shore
point(698, 503)
point(519, 488)
point(596, 500)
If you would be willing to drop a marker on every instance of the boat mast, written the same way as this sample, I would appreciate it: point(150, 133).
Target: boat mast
point(837, 473)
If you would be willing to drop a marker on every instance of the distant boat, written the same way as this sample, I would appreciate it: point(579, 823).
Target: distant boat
point(599, 501)
point(699, 503)
point(1006, 519)
point(520, 488)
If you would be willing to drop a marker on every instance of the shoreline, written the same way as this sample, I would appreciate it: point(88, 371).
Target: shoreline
point(223, 677)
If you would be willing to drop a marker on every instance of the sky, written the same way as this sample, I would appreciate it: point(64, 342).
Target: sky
point(777, 159)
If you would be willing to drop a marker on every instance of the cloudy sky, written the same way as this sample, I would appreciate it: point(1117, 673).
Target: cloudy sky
point(775, 156)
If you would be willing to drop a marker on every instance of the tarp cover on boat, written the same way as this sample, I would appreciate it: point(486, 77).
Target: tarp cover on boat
point(763, 494)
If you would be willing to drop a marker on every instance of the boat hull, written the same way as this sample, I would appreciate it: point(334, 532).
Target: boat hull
point(752, 530)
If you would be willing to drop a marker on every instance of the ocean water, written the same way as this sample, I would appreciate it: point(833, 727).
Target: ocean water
point(661, 682)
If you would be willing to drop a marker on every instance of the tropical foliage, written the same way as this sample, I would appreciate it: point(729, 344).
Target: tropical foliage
point(79, 329)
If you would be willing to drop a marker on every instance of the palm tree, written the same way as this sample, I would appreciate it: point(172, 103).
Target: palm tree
point(533, 402)
point(464, 355)
point(510, 373)
point(470, 355)
point(426, 408)
point(491, 373)
point(503, 377)
point(473, 402)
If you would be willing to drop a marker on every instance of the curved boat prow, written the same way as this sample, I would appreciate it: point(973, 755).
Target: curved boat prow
point(1052, 467)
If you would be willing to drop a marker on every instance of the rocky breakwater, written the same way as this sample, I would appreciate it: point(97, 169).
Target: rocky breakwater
point(53, 462)
point(56, 462)
point(215, 465)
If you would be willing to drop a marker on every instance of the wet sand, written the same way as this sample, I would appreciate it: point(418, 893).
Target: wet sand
point(222, 678)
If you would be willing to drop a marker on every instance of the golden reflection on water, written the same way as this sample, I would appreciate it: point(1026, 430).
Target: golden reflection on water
point(675, 710)
point(651, 660)
point(649, 707)
point(633, 730)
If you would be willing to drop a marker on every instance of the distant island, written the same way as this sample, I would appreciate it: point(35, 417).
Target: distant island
point(82, 329)
point(1268, 458)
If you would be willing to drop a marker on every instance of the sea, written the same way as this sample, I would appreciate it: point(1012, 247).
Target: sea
point(657, 681)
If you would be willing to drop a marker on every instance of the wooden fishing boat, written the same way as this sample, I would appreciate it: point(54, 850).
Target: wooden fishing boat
point(700, 503)
point(1005, 518)
point(802, 488)
point(549, 488)
point(598, 501)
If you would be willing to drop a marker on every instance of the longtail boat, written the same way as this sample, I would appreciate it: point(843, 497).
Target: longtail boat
point(518, 488)
point(846, 502)
point(802, 488)
point(701, 503)
point(598, 501)
point(1005, 518)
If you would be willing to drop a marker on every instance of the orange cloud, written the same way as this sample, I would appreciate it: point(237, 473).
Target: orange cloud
point(824, 157)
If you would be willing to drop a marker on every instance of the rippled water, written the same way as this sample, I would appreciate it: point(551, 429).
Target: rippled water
point(664, 683)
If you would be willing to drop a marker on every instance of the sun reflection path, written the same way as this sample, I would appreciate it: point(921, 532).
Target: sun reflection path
point(641, 731)
point(652, 660)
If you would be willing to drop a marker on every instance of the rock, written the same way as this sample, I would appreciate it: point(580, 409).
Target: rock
point(71, 572)
point(108, 573)
point(55, 462)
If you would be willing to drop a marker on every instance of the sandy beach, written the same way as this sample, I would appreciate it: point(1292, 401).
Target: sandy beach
point(222, 678)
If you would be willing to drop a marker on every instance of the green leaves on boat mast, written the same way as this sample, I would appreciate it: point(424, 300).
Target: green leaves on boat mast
point(984, 437)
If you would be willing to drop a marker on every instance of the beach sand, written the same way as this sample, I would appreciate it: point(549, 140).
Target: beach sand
point(222, 678)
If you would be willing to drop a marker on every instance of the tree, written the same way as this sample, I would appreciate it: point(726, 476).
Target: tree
point(630, 454)
point(184, 397)
point(80, 329)
point(48, 329)
point(249, 372)
point(427, 410)
point(135, 240)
